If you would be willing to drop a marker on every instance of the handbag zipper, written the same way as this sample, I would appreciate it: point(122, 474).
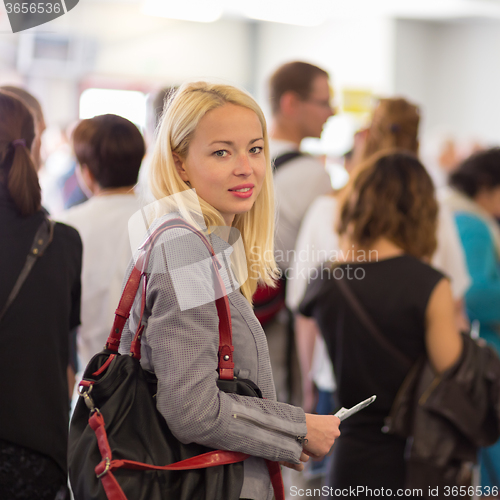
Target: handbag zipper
point(300, 439)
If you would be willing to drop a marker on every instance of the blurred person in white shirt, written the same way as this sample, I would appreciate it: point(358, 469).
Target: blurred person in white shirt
point(109, 150)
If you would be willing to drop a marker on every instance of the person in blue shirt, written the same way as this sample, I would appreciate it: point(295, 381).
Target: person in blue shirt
point(475, 201)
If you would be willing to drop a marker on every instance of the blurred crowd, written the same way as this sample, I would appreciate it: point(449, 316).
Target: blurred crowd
point(401, 263)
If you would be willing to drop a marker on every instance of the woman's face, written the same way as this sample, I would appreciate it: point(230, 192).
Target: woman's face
point(489, 199)
point(225, 163)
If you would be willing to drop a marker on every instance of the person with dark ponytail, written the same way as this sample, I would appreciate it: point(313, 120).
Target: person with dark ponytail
point(39, 306)
point(35, 107)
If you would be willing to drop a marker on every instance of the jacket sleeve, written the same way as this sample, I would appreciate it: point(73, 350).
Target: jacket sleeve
point(182, 346)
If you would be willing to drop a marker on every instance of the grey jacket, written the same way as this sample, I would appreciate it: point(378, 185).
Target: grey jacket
point(180, 347)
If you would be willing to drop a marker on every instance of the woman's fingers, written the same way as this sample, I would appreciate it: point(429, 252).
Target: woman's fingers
point(312, 455)
point(297, 467)
point(322, 430)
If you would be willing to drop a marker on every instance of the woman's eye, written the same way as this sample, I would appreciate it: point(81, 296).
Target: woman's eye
point(256, 149)
point(221, 153)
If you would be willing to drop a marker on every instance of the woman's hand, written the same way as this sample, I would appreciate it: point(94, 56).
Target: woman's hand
point(322, 430)
point(298, 467)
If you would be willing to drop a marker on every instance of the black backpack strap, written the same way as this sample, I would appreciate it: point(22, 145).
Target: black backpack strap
point(42, 239)
point(285, 157)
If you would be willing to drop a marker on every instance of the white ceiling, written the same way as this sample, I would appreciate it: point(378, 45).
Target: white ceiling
point(330, 9)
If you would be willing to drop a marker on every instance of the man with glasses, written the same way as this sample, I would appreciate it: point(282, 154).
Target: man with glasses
point(300, 97)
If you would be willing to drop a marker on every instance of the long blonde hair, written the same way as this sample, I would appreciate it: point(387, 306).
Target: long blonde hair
point(182, 114)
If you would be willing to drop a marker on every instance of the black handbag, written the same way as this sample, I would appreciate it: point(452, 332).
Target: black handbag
point(124, 449)
point(457, 411)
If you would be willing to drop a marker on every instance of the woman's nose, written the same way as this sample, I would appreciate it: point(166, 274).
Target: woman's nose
point(243, 166)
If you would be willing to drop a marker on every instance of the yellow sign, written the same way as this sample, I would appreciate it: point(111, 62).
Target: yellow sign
point(357, 100)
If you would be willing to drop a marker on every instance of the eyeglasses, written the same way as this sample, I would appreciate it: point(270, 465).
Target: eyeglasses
point(326, 104)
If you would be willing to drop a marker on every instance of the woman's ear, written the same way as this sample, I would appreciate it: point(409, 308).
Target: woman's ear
point(179, 165)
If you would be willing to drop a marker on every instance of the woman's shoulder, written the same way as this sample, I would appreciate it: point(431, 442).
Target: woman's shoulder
point(394, 273)
point(64, 230)
point(179, 242)
point(67, 235)
point(180, 261)
point(410, 278)
point(410, 267)
point(469, 223)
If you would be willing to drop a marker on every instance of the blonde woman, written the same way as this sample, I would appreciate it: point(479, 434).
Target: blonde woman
point(212, 141)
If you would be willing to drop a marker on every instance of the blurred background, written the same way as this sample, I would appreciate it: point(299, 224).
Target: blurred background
point(108, 55)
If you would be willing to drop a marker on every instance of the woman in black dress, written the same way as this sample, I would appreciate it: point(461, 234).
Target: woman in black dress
point(35, 328)
point(387, 222)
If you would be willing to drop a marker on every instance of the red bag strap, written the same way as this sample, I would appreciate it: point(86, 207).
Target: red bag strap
point(226, 364)
point(274, 469)
point(104, 469)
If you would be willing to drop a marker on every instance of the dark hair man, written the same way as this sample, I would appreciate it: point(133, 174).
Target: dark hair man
point(109, 150)
point(301, 104)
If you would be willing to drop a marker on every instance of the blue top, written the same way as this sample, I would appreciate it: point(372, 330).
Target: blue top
point(483, 297)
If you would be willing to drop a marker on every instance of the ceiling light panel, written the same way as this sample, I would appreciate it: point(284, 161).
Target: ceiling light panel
point(201, 11)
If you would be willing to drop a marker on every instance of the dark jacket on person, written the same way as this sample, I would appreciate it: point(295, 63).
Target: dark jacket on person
point(447, 417)
point(35, 333)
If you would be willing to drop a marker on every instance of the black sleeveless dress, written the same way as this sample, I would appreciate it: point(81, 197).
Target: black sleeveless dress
point(395, 293)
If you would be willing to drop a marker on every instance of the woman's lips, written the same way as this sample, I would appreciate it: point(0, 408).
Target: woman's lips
point(243, 191)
